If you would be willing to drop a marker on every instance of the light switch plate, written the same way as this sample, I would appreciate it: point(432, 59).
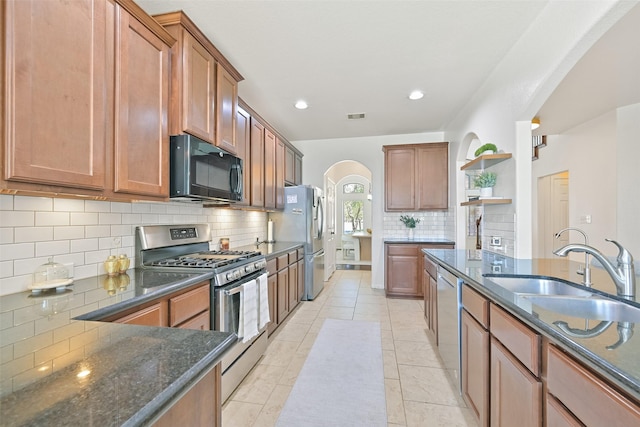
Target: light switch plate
point(496, 241)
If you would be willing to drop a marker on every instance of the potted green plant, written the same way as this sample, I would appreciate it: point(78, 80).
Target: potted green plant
point(485, 181)
point(487, 148)
point(409, 222)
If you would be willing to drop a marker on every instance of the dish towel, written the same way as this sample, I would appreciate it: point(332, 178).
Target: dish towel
point(249, 311)
point(263, 293)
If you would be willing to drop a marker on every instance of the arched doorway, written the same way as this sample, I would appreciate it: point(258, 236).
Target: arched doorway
point(347, 244)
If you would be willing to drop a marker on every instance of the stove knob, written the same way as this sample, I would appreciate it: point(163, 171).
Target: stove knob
point(230, 276)
point(248, 269)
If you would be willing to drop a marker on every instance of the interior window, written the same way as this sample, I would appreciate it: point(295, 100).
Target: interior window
point(353, 188)
point(352, 216)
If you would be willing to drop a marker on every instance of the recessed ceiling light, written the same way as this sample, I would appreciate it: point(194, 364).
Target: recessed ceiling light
point(301, 105)
point(416, 94)
point(535, 123)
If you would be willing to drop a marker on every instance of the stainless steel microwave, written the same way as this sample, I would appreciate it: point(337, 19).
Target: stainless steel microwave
point(200, 171)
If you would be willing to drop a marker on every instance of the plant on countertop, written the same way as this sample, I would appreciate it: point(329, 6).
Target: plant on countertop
point(409, 221)
point(486, 147)
point(485, 180)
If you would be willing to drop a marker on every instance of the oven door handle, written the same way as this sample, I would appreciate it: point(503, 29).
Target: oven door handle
point(233, 291)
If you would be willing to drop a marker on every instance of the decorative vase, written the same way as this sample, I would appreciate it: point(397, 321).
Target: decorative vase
point(486, 192)
point(410, 235)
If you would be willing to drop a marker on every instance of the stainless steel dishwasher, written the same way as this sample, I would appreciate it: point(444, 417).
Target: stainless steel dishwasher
point(448, 294)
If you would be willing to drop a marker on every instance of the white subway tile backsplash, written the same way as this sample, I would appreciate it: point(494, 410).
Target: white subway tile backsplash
point(28, 265)
point(6, 269)
point(17, 218)
point(68, 232)
point(55, 247)
point(33, 234)
point(85, 245)
point(17, 251)
point(133, 219)
point(26, 203)
point(84, 218)
point(6, 236)
point(121, 230)
point(148, 218)
point(109, 218)
point(97, 231)
point(96, 257)
point(52, 218)
point(95, 206)
point(68, 205)
point(6, 202)
point(120, 207)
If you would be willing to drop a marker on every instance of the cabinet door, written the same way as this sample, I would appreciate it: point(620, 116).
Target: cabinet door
point(293, 285)
point(433, 176)
point(189, 304)
point(272, 283)
point(154, 315)
point(402, 270)
point(516, 395)
point(226, 108)
point(474, 348)
point(280, 171)
point(198, 83)
point(243, 139)
point(400, 179)
point(283, 294)
point(257, 163)
point(290, 166)
point(425, 293)
point(141, 108)
point(433, 307)
point(558, 415)
point(301, 279)
point(57, 102)
point(298, 169)
point(200, 322)
point(269, 169)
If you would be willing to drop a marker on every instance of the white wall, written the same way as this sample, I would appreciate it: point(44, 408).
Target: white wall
point(628, 185)
point(86, 232)
point(320, 155)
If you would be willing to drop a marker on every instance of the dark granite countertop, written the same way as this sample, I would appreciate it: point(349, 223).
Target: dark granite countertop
point(272, 250)
point(604, 352)
point(58, 370)
point(419, 240)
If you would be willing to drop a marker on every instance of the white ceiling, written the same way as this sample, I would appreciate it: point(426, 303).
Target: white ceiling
point(349, 56)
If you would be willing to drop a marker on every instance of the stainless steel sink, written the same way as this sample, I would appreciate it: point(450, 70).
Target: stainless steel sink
point(538, 286)
point(594, 308)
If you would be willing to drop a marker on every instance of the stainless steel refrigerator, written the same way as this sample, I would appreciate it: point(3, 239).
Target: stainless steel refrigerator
point(303, 221)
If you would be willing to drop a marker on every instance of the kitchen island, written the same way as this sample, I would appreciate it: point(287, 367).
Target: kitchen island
point(59, 370)
point(597, 360)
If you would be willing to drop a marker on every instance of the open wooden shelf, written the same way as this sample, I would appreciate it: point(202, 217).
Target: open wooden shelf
point(485, 161)
point(486, 202)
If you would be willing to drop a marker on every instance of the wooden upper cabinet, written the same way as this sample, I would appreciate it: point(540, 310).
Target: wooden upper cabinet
point(416, 177)
point(433, 176)
point(193, 74)
point(226, 106)
point(269, 169)
point(56, 98)
point(257, 163)
point(289, 166)
point(87, 89)
point(141, 109)
point(280, 173)
point(400, 179)
point(243, 139)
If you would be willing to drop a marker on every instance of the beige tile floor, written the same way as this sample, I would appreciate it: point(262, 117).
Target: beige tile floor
point(418, 391)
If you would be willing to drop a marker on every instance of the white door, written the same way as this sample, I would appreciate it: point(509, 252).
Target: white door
point(553, 212)
point(330, 234)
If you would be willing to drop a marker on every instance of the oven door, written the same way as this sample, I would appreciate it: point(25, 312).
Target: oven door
point(227, 304)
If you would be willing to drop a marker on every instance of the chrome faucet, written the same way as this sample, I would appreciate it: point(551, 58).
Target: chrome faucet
point(623, 274)
point(587, 270)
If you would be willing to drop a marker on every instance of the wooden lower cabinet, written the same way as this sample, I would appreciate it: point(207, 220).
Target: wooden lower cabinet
point(516, 395)
point(272, 283)
point(474, 346)
point(557, 415)
point(301, 294)
point(201, 406)
point(585, 395)
point(186, 309)
point(153, 315)
point(293, 285)
point(401, 270)
point(286, 286)
point(283, 294)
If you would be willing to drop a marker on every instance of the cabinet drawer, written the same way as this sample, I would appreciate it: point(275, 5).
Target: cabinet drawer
point(283, 261)
point(187, 305)
point(293, 256)
point(201, 322)
point(272, 266)
point(300, 253)
point(476, 305)
point(521, 341)
point(431, 267)
point(558, 416)
point(153, 315)
point(411, 250)
point(588, 397)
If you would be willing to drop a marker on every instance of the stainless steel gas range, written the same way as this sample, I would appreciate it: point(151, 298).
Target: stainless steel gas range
point(185, 248)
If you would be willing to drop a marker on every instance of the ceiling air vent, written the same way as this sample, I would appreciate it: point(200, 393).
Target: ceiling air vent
point(355, 116)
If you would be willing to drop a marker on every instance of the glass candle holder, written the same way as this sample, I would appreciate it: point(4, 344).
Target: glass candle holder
point(123, 263)
point(111, 265)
